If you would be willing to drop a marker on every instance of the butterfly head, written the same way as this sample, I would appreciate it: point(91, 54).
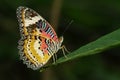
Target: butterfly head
point(61, 39)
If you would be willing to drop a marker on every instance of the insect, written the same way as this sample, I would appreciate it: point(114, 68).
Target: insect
point(39, 41)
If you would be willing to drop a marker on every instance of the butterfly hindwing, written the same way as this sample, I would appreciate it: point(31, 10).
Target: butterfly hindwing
point(38, 39)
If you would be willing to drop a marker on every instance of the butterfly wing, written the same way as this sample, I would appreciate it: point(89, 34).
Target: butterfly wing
point(37, 35)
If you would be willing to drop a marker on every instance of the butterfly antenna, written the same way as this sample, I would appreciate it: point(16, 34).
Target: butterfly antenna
point(67, 26)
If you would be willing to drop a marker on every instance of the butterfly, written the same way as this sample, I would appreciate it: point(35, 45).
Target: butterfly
point(39, 42)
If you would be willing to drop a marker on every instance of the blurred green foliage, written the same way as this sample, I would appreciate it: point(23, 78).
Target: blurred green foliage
point(92, 19)
point(101, 44)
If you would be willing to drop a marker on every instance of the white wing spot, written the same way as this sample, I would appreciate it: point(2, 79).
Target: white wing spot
point(36, 46)
point(33, 20)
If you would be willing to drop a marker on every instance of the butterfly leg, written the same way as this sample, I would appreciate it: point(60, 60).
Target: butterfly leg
point(55, 56)
point(54, 60)
point(64, 49)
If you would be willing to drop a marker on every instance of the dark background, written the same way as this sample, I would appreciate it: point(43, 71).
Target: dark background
point(92, 19)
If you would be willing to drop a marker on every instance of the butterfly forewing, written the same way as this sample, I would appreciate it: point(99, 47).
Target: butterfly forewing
point(38, 39)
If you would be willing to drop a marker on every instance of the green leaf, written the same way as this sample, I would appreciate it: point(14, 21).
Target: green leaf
point(97, 46)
